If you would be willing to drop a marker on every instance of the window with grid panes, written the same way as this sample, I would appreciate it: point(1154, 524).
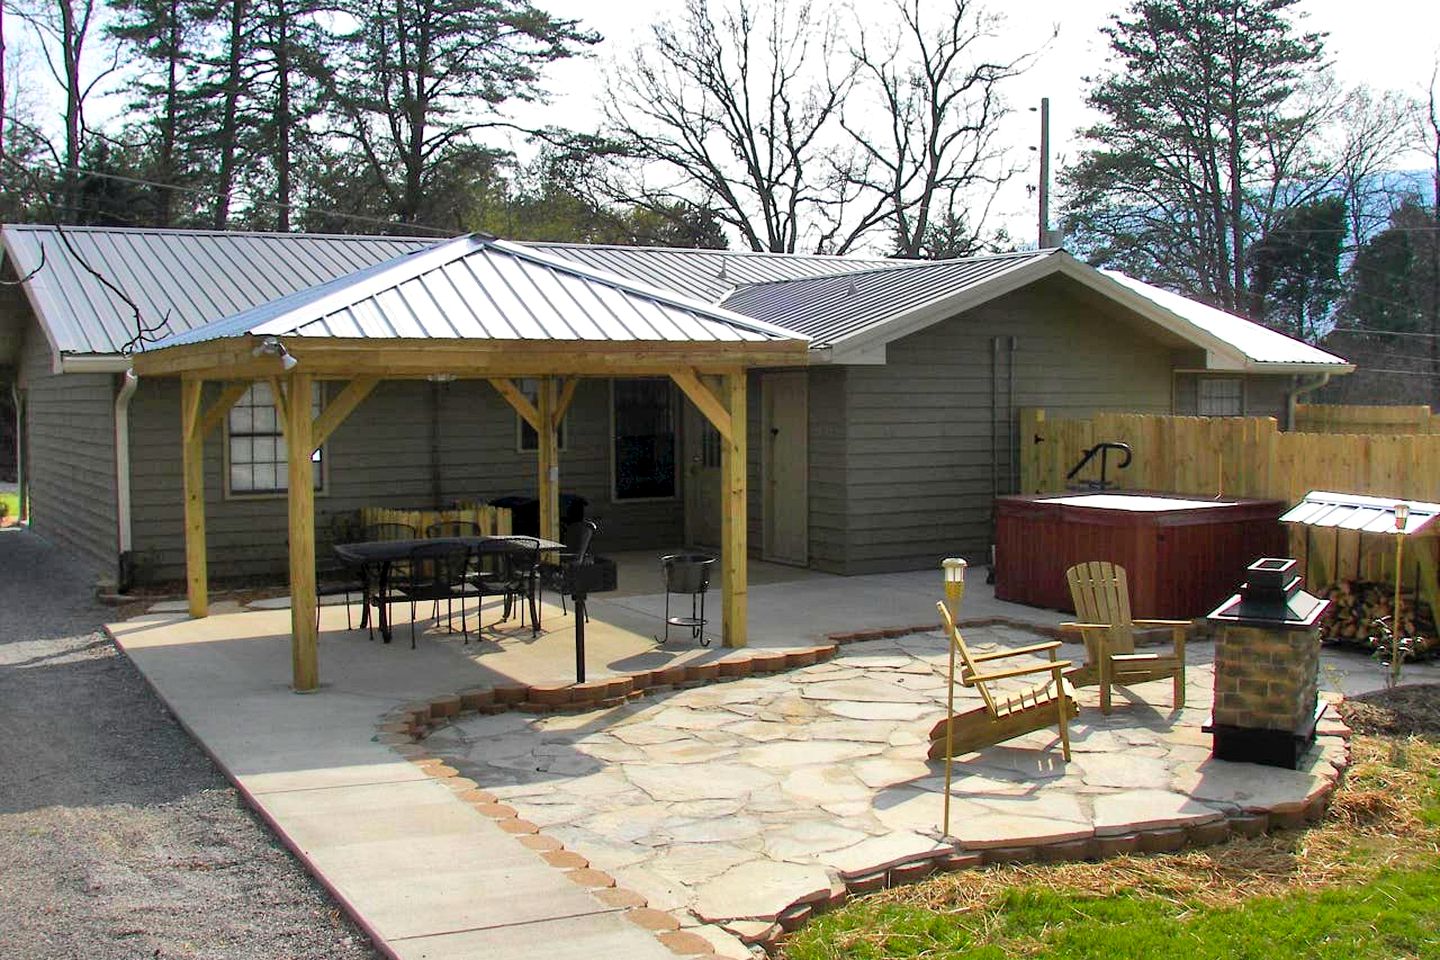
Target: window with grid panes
point(1220, 397)
point(644, 461)
point(256, 453)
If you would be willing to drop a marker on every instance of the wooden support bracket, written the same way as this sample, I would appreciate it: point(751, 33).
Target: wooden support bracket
point(228, 398)
point(521, 403)
point(705, 401)
point(338, 409)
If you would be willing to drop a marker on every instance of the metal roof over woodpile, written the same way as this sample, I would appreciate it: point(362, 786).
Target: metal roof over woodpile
point(480, 288)
point(710, 275)
point(185, 277)
point(1351, 511)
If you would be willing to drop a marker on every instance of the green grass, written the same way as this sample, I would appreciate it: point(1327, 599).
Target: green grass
point(1364, 883)
point(1395, 915)
point(10, 503)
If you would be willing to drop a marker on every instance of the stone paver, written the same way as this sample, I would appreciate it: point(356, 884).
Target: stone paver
point(733, 802)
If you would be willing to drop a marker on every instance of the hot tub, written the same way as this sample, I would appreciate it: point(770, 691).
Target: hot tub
point(1180, 553)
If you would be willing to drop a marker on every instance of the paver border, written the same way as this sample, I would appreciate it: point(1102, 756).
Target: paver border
point(405, 728)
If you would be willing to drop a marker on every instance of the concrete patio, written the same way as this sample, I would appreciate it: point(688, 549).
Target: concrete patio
point(428, 866)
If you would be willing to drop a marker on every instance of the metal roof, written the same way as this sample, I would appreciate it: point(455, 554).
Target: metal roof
point(1258, 343)
point(477, 287)
point(829, 309)
point(1350, 511)
point(709, 274)
point(187, 277)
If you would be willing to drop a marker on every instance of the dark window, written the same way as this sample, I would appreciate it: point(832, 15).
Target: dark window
point(644, 419)
point(1220, 397)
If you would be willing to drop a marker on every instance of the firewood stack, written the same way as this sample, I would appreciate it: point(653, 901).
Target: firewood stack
point(1357, 604)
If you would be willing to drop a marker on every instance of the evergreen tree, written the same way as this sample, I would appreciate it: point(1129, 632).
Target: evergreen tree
point(1295, 268)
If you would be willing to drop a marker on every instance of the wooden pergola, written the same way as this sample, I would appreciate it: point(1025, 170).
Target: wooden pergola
point(710, 372)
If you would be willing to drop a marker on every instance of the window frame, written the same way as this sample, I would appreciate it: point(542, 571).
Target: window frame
point(520, 424)
point(1201, 399)
point(321, 489)
point(674, 442)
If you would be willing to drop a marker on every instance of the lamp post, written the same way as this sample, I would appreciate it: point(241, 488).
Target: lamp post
point(1402, 513)
point(954, 570)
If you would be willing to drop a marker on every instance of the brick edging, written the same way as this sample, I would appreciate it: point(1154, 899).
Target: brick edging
point(404, 728)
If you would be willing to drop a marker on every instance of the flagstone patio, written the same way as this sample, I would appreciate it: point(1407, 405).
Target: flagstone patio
point(742, 802)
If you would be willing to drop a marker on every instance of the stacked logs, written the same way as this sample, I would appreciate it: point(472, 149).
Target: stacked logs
point(1355, 605)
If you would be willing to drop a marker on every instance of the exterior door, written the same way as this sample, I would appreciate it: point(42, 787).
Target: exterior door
point(784, 466)
point(702, 480)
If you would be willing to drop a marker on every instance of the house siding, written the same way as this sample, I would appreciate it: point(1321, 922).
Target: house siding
point(381, 455)
point(70, 455)
point(917, 435)
point(1264, 395)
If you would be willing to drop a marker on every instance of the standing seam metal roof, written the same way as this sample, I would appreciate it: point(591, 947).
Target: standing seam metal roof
point(187, 277)
point(478, 287)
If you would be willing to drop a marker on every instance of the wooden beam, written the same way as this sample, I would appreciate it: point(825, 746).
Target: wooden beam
point(521, 403)
point(548, 461)
point(305, 667)
point(192, 454)
point(734, 591)
point(282, 408)
point(216, 414)
point(338, 409)
point(705, 400)
point(567, 393)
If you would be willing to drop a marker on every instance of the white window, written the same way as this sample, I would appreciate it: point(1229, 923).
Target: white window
point(642, 416)
point(1220, 397)
point(256, 456)
point(527, 440)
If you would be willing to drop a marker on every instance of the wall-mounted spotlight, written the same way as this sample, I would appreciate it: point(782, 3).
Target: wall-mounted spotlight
point(272, 347)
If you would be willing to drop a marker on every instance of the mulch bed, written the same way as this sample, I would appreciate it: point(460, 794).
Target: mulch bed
point(1401, 711)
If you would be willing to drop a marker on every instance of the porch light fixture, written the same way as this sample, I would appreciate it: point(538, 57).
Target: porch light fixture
point(440, 377)
point(272, 347)
point(954, 573)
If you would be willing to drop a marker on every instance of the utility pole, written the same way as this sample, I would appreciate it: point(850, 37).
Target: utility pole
point(1044, 172)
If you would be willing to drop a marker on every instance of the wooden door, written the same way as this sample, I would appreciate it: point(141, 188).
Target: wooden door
point(702, 480)
point(784, 466)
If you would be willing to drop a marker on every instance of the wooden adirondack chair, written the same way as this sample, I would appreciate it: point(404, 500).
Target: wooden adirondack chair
point(1102, 602)
point(1006, 714)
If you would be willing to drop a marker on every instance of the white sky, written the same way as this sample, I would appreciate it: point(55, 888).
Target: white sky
point(1386, 44)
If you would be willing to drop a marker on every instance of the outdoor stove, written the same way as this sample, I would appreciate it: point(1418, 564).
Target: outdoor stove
point(1267, 667)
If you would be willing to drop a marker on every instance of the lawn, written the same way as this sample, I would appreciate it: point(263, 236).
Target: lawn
point(1365, 882)
point(9, 505)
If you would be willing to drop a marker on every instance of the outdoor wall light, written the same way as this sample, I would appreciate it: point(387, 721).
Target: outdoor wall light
point(272, 347)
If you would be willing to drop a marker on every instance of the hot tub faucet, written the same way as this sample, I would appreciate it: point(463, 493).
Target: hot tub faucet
point(1103, 449)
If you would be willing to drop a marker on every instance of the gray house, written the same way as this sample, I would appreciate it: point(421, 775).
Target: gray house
point(882, 453)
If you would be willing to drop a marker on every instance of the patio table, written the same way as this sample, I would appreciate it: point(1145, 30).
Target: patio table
point(381, 555)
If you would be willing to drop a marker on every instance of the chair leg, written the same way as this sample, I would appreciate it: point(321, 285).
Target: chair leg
point(1105, 672)
point(1064, 728)
point(1179, 689)
point(412, 624)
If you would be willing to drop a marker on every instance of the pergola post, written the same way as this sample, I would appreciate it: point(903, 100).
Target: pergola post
point(192, 453)
point(549, 460)
point(734, 592)
point(295, 409)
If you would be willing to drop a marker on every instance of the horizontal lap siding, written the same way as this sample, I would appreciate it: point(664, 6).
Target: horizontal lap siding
point(918, 440)
point(70, 470)
point(828, 477)
point(381, 455)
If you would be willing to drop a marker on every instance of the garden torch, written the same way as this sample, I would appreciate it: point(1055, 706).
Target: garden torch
point(954, 569)
point(1402, 513)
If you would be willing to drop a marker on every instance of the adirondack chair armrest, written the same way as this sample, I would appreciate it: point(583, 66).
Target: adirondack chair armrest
point(1162, 623)
point(1033, 648)
point(1177, 632)
point(1045, 667)
point(1080, 627)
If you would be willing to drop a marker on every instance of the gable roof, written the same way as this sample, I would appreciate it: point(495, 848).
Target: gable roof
point(709, 274)
point(850, 318)
point(185, 277)
point(477, 287)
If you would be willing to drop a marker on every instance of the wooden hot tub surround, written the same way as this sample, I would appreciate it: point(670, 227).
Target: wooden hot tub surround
point(1180, 553)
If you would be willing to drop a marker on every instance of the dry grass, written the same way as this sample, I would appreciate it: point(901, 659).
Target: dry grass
point(1382, 817)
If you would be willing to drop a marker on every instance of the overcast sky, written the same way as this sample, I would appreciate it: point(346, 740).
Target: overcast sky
point(1387, 44)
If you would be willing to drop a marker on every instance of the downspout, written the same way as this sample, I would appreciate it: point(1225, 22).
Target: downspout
point(1299, 391)
point(22, 510)
point(128, 383)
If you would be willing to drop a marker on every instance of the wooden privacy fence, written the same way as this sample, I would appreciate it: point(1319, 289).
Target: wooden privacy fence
point(1248, 457)
point(1352, 418)
point(492, 520)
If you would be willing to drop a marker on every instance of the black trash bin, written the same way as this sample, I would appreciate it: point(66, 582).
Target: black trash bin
point(687, 573)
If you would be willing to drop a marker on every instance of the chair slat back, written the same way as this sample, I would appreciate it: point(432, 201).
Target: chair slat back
point(970, 668)
point(1102, 595)
point(389, 531)
point(453, 528)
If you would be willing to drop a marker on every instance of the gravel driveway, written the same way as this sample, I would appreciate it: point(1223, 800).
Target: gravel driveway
point(118, 836)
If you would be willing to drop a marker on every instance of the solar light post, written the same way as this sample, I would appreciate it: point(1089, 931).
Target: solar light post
point(1402, 513)
point(954, 571)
